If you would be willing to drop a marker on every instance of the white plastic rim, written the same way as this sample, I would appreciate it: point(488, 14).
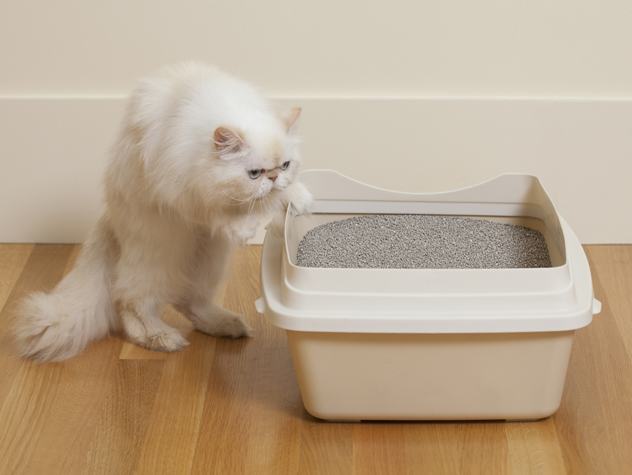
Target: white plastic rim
point(428, 300)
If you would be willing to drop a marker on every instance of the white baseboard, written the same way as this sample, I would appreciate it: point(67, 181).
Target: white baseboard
point(53, 152)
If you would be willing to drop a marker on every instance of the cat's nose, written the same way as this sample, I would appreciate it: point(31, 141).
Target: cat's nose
point(273, 178)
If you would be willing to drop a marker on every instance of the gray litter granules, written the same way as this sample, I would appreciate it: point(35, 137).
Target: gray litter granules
point(406, 241)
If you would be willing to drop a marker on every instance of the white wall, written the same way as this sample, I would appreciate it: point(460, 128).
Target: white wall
point(416, 96)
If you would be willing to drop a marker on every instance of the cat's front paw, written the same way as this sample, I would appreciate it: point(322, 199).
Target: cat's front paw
point(300, 198)
point(222, 322)
point(166, 341)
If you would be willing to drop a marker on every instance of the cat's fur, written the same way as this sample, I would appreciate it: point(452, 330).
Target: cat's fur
point(178, 195)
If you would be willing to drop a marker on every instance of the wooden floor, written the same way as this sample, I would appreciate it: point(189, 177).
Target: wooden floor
point(233, 406)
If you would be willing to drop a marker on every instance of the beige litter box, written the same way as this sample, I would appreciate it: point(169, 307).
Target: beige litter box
point(429, 344)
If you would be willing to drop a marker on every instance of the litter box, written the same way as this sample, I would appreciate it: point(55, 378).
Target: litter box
point(429, 344)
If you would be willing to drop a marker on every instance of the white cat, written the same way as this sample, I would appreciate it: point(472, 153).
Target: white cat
point(201, 159)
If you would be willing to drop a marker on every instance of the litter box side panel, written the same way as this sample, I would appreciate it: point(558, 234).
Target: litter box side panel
point(360, 376)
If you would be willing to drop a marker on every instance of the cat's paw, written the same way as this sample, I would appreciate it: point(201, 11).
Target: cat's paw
point(300, 198)
point(166, 341)
point(223, 322)
point(152, 333)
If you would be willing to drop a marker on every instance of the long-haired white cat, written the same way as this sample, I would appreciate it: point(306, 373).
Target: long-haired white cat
point(201, 159)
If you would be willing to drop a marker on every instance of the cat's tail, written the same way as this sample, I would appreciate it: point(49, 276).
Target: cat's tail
point(56, 326)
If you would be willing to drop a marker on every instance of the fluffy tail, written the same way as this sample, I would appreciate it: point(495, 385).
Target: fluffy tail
point(56, 326)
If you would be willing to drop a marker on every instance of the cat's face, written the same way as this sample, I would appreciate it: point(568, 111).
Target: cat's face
point(257, 166)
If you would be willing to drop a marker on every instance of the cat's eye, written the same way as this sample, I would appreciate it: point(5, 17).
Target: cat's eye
point(284, 166)
point(254, 174)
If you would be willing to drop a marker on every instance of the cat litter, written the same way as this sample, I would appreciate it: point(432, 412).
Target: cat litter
point(381, 329)
point(421, 242)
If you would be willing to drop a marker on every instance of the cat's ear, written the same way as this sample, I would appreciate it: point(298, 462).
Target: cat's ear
point(290, 119)
point(227, 142)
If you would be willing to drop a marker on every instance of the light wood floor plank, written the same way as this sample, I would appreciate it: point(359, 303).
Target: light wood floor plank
point(534, 448)
point(83, 387)
point(430, 448)
point(227, 415)
point(24, 414)
point(177, 412)
point(379, 448)
point(26, 391)
point(275, 432)
point(594, 418)
point(609, 264)
point(326, 448)
point(42, 271)
point(124, 420)
point(13, 258)
point(225, 423)
point(459, 448)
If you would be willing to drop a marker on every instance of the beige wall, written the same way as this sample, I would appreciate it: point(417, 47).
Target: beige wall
point(417, 96)
point(563, 48)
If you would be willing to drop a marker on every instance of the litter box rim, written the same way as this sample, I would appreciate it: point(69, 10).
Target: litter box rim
point(569, 304)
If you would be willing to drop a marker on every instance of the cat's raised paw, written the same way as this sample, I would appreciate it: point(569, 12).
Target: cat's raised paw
point(301, 199)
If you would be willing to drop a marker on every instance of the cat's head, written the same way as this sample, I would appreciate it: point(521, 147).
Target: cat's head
point(197, 141)
point(259, 162)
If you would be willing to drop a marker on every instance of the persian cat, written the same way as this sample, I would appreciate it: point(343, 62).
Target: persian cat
point(201, 159)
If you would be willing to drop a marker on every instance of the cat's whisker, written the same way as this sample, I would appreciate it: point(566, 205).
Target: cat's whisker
point(237, 200)
point(251, 207)
point(265, 205)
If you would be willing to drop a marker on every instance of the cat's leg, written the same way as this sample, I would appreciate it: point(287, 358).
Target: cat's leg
point(142, 325)
point(198, 302)
point(149, 273)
